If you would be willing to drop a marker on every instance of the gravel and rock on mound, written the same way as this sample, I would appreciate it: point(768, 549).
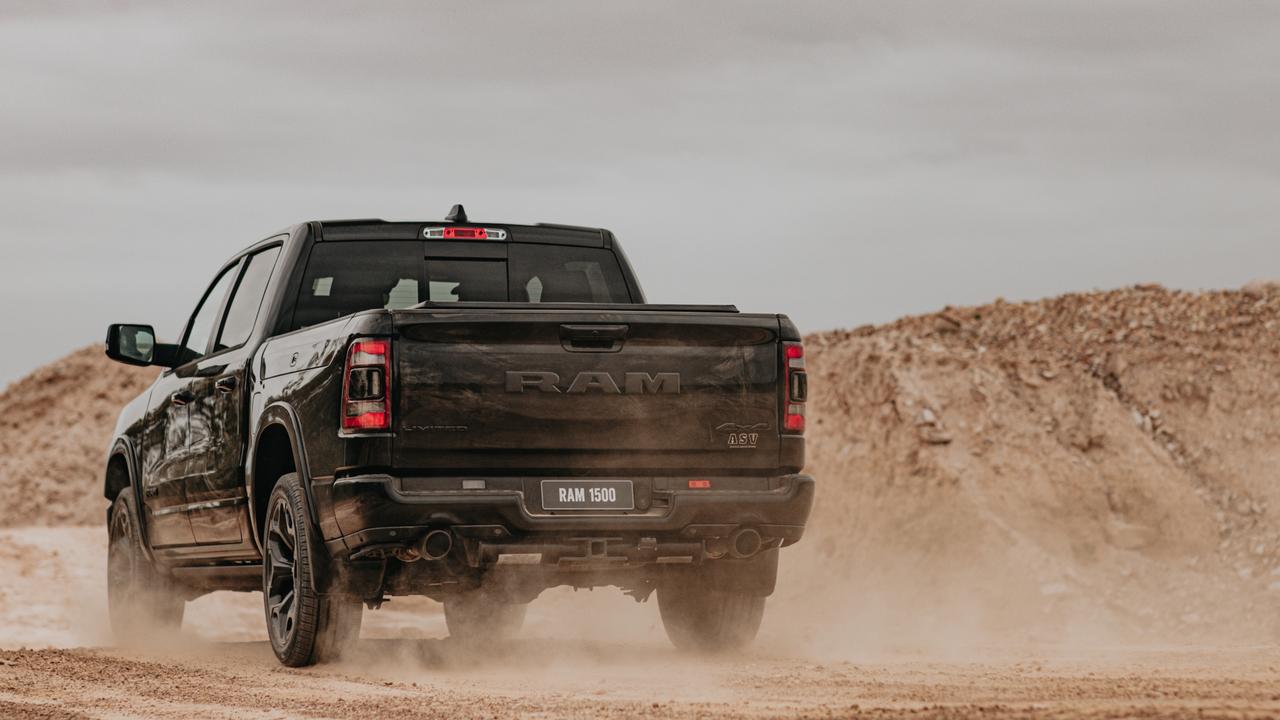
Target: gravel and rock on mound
point(55, 426)
point(1094, 466)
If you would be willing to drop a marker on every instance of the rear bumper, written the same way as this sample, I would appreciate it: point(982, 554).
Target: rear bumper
point(382, 510)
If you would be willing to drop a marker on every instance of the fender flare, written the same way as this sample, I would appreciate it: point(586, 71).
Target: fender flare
point(124, 447)
point(283, 415)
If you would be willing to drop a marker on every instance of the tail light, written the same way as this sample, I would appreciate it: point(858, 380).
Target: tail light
point(366, 386)
point(797, 387)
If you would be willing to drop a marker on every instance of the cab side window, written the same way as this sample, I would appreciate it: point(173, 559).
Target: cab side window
point(196, 344)
point(246, 302)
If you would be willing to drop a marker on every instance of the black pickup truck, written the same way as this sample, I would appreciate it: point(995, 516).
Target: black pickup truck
point(470, 411)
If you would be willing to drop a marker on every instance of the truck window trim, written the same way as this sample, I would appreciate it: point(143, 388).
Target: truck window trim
point(231, 265)
point(246, 259)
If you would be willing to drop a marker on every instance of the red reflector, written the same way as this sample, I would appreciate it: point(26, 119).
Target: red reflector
point(465, 233)
point(366, 421)
point(699, 484)
point(794, 351)
point(795, 422)
point(369, 347)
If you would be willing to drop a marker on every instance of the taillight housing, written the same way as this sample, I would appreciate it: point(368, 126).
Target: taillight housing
point(455, 232)
point(366, 386)
point(796, 391)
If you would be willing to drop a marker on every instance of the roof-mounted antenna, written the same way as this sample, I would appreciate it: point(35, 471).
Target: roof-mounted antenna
point(457, 214)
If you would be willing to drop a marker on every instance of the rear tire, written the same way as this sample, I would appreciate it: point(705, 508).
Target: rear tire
point(141, 599)
point(305, 627)
point(479, 617)
point(700, 620)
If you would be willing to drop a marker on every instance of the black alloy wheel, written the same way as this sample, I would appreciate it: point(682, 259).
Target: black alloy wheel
point(479, 617)
point(305, 626)
point(281, 571)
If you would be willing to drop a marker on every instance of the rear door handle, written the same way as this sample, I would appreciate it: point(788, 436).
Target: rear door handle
point(181, 397)
point(226, 385)
point(150, 492)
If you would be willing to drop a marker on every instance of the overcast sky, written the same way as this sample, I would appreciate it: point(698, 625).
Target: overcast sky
point(844, 163)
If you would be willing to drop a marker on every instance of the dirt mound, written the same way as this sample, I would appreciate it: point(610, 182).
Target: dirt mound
point(1102, 465)
point(54, 428)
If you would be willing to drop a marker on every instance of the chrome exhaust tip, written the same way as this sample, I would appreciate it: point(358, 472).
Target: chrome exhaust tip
point(744, 543)
point(436, 544)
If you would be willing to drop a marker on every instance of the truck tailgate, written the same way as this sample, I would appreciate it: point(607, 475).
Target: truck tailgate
point(592, 389)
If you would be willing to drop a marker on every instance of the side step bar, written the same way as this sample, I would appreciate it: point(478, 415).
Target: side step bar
point(243, 578)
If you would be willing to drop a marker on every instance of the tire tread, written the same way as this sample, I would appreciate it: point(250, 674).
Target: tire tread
point(326, 625)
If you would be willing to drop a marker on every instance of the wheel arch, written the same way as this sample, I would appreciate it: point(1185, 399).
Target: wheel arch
point(122, 472)
point(277, 450)
point(120, 469)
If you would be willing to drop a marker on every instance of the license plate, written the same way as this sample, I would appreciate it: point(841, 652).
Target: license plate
point(587, 495)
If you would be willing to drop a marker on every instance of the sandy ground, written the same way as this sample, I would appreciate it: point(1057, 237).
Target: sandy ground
point(546, 677)
point(582, 654)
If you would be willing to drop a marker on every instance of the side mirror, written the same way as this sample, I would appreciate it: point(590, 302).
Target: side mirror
point(131, 344)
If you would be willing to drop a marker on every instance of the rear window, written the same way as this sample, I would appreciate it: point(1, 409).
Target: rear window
point(349, 276)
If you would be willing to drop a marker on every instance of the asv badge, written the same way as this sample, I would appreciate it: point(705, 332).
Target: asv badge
point(741, 437)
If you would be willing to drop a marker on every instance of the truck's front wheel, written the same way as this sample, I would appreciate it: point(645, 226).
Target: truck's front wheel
point(703, 620)
point(305, 627)
point(480, 617)
point(141, 599)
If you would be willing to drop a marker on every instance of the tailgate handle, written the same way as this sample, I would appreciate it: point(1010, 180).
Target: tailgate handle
point(593, 338)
